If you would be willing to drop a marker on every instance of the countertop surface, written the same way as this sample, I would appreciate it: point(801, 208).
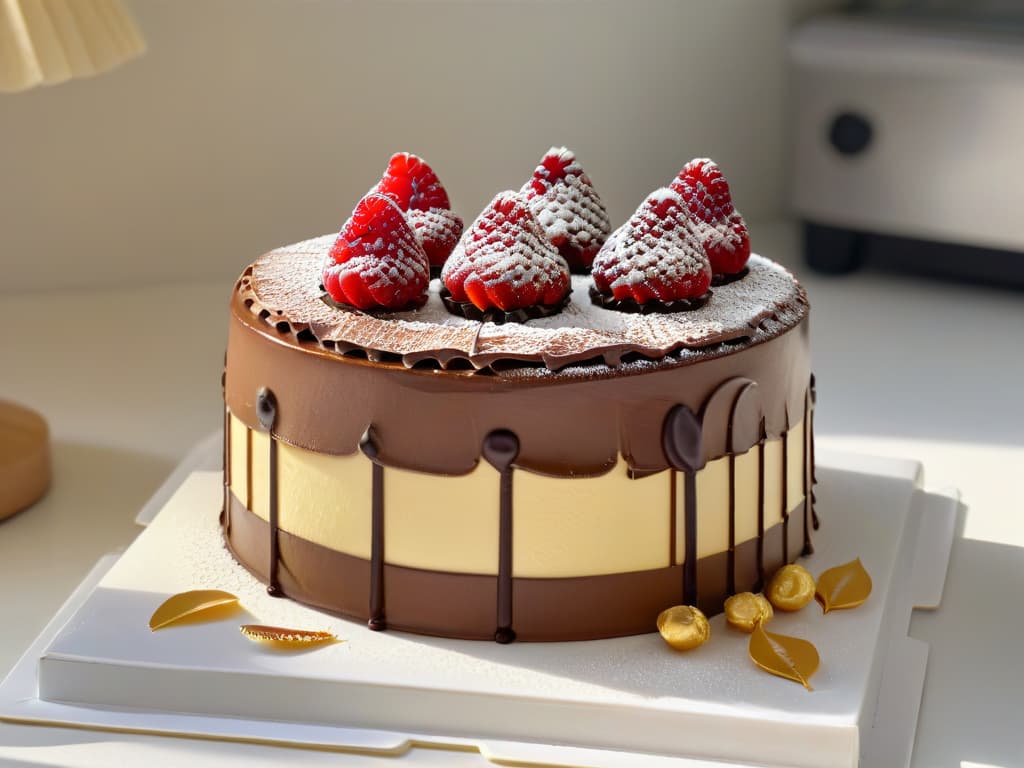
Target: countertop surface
point(907, 367)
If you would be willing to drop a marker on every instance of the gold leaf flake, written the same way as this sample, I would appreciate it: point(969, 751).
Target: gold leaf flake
point(788, 657)
point(189, 604)
point(845, 586)
point(283, 637)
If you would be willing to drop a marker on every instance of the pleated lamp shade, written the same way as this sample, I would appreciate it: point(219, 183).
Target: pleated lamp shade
point(44, 42)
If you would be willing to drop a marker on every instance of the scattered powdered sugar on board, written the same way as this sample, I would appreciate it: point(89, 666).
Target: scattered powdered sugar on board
point(284, 290)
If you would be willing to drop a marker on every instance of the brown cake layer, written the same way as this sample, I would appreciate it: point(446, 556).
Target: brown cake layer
point(463, 605)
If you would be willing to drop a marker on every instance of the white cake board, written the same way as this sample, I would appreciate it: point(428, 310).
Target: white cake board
point(629, 701)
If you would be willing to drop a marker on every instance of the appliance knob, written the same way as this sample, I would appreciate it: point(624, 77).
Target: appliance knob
point(850, 133)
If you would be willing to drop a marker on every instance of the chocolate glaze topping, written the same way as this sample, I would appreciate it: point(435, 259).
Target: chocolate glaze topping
point(564, 421)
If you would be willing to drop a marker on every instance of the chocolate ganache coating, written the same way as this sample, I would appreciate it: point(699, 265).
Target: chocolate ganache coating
point(577, 397)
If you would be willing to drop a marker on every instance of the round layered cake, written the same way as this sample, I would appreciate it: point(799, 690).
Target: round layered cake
point(566, 478)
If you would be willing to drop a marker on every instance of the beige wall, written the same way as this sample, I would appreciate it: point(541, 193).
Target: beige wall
point(252, 123)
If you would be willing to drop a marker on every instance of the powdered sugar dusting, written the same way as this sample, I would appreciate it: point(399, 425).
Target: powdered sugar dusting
point(567, 206)
point(656, 247)
point(283, 290)
point(505, 247)
point(438, 230)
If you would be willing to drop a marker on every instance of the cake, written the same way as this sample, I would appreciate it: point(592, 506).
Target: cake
point(565, 433)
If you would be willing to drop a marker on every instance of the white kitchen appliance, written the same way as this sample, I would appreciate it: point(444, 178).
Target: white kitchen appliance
point(909, 141)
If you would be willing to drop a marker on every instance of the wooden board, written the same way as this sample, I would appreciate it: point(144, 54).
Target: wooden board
point(24, 458)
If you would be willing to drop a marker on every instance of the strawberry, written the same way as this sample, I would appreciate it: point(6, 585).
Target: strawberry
point(567, 207)
point(412, 184)
point(376, 260)
point(438, 230)
point(503, 260)
point(654, 256)
point(722, 231)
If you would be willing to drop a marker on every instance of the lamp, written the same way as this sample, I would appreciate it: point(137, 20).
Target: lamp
point(44, 42)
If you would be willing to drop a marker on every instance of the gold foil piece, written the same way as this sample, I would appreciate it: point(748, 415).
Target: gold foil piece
point(684, 627)
point(791, 588)
point(199, 604)
point(746, 610)
point(845, 586)
point(280, 636)
point(789, 657)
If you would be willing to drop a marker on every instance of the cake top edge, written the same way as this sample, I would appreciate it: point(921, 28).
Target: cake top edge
point(281, 292)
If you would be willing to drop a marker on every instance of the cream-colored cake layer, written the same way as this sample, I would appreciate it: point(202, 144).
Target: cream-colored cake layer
point(259, 481)
point(772, 483)
point(238, 460)
point(565, 527)
point(746, 494)
point(442, 523)
point(562, 527)
point(712, 508)
point(326, 498)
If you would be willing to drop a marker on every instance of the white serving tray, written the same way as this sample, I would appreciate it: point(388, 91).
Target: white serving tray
point(628, 701)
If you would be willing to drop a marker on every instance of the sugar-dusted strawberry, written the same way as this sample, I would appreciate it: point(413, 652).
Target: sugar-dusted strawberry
point(503, 260)
point(438, 230)
point(376, 262)
point(567, 207)
point(412, 184)
point(724, 233)
point(653, 256)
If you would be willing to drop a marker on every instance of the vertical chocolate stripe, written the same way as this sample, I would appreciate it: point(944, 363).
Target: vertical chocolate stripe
point(785, 496)
point(500, 448)
point(808, 546)
point(690, 564)
point(672, 517)
point(814, 470)
point(682, 440)
point(504, 632)
point(225, 515)
point(378, 614)
point(248, 468)
point(730, 577)
point(760, 511)
point(274, 587)
point(266, 409)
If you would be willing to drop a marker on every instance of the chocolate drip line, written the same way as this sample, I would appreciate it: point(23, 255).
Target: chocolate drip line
point(266, 411)
point(814, 472)
point(761, 576)
point(682, 442)
point(785, 497)
point(500, 449)
point(730, 583)
point(808, 507)
point(368, 445)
